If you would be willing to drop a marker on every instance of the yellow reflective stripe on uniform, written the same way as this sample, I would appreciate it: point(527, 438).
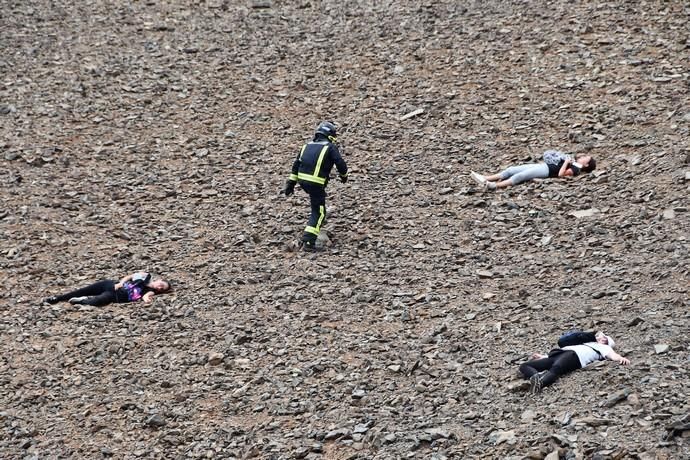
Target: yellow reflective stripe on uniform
point(301, 152)
point(318, 163)
point(293, 177)
point(310, 178)
point(314, 177)
point(316, 230)
point(322, 216)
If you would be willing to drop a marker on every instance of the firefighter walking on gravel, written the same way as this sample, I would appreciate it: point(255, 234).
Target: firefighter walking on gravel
point(311, 169)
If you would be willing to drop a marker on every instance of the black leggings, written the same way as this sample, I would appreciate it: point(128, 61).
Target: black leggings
point(558, 363)
point(99, 293)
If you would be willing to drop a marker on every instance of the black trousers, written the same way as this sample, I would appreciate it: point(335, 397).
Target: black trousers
point(99, 293)
point(558, 363)
point(317, 200)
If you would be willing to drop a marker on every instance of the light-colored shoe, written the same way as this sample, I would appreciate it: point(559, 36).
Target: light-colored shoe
point(478, 178)
point(77, 300)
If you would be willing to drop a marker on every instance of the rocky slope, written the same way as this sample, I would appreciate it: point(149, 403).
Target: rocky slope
point(157, 135)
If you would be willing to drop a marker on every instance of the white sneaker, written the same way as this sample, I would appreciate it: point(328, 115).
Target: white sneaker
point(478, 178)
point(77, 300)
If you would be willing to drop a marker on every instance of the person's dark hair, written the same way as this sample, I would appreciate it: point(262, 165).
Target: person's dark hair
point(591, 166)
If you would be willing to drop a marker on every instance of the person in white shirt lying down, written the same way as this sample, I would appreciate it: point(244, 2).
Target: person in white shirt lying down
point(544, 370)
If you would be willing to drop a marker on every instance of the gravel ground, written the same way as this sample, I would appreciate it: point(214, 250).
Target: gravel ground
point(157, 136)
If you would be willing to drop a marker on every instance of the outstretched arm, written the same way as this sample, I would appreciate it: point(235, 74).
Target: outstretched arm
point(613, 356)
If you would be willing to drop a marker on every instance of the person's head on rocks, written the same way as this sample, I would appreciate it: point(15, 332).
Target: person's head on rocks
point(587, 162)
point(604, 339)
point(160, 286)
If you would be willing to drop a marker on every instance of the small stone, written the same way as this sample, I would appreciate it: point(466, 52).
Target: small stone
point(635, 321)
point(322, 240)
point(584, 213)
point(555, 455)
point(528, 415)
point(634, 400)
point(358, 393)
point(437, 433)
point(499, 437)
point(412, 114)
point(593, 421)
point(156, 421)
point(660, 348)
point(485, 274)
point(669, 214)
point(335, 434)
point(361, 428)
point(647, 456)
point(215, 358)
point(519, 386)
point(616, 398)
point(261, 5)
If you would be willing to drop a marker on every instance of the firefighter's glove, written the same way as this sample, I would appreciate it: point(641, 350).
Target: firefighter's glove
point(289, 187)
point(343, 179)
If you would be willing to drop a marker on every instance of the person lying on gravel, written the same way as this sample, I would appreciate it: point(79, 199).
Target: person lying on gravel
point(131, 288)
point(555, 164)
point(543, 370)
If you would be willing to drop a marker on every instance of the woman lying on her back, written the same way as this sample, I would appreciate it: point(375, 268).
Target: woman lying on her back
point(555, 164)
point(543, 370)
point(131, 288)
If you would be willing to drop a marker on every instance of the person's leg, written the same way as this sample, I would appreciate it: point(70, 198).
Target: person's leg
point(535, 366)
point(523, 173)
point(505, 174)
point(317, 200)
point(91, 290)
point(489, 181)
point(99, 300)
point(564, 363)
